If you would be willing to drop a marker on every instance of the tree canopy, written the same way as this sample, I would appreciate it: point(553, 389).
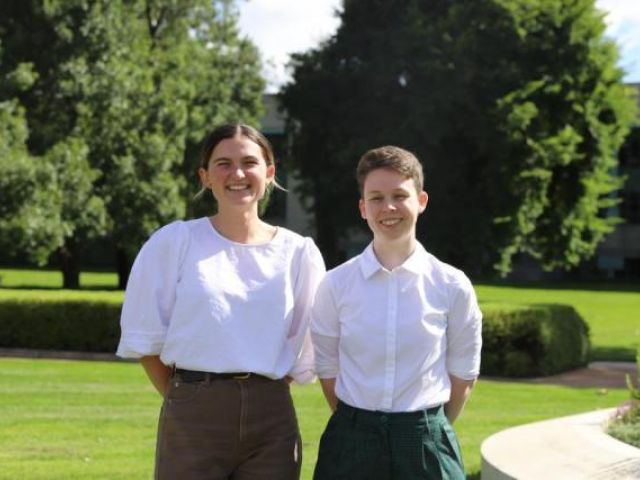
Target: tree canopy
point(115, 96)
point(515, 107)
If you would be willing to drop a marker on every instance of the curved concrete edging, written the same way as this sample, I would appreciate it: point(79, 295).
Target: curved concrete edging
point(574, 447)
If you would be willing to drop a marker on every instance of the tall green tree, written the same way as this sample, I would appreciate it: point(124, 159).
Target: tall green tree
point(139, 81)
point(516, 109)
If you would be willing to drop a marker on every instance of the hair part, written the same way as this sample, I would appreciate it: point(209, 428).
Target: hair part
point(392, 158)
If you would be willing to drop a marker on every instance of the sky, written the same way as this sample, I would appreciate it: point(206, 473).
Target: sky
point(282, 27)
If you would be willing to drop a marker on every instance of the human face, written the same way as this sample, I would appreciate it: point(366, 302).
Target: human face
point(391, 205)
point(237, 173)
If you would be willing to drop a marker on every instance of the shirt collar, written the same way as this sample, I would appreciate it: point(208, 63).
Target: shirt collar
point(418, 261)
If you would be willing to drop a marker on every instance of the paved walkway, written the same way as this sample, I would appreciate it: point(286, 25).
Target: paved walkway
point(595, 375)
point(567, 448)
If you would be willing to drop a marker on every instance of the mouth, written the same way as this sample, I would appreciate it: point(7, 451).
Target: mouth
point(390, 222)
point(238, 187)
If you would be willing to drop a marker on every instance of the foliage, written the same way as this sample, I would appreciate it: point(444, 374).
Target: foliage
point(78, 324)
point(44, 199)
point(518, 341)
point(516, 109)
point(635, 391)
point(625, 425)
point(119, 93)
point(609, 310)
point(533, 341)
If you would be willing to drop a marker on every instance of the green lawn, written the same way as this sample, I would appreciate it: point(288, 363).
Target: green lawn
point(40, 278)
point(97, 420)
point(613, 316)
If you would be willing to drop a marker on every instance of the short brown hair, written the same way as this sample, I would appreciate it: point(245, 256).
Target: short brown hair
point(392, 158)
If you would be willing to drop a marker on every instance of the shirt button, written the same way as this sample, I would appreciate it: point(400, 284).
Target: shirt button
point(383, 419)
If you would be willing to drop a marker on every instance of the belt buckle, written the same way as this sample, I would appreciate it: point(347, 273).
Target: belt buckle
point(242, 377)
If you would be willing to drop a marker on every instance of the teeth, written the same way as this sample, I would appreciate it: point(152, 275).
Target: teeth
point(391, 221)
point(237, 187)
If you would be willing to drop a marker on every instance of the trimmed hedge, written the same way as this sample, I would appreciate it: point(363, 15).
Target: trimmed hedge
point(518, 341)
point(60, 320)
point(533, 340)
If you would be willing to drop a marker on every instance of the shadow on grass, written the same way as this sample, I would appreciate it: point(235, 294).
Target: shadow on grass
point(473, 476)
point(613, 354)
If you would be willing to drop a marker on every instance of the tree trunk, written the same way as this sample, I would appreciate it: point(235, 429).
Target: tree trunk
point(69, 265)
point(123, 267)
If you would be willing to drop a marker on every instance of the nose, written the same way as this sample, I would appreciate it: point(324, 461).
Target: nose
point(389, 206)
point(237, 171)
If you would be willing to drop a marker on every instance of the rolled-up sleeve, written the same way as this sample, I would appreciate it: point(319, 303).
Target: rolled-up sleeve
point(464, 331)
point(151, 292)
point(325, 331)
point(311, 272)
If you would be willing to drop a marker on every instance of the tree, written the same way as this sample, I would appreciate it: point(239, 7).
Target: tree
point(139, 82)
point(515, 108)
point(46, 201)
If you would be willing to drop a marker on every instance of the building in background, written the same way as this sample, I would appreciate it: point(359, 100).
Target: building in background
point(286, 208)
point(619, 254)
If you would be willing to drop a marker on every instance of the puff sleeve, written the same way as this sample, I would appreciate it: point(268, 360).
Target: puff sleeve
point(311, 272)
point(151, 292)
point(325, 330)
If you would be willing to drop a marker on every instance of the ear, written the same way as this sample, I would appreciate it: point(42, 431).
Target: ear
point(202, 173)
point(271, 173)
point(363, 209)
point(423, 200)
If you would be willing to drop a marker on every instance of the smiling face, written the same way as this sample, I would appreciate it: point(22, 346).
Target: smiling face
point(391, 205)
point(237, 173)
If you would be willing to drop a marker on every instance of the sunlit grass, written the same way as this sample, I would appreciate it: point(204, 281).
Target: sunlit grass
point(97, 420)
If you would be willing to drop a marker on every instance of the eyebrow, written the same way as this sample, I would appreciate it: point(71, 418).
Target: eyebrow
point(379, 192)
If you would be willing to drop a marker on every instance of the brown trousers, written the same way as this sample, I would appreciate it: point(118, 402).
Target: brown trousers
point(228, 429)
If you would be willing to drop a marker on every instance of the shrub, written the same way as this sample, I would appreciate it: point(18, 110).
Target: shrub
point(626, 422)
point(518, 341)
point(60, 321)
point(533, 340)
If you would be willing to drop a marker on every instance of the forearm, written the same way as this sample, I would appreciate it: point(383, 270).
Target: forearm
point(329, 390)
point(460, 392)
point(157, 372)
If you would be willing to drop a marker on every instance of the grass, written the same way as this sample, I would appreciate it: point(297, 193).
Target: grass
point(612, 316)
point(24, 278)
point(97, 420)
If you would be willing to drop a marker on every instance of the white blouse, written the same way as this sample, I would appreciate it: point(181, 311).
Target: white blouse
point(391, 338)
point(203, 302)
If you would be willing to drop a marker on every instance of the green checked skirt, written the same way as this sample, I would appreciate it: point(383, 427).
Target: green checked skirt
point(366, 445)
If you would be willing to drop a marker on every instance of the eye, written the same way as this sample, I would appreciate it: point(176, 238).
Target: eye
point(375, 199)
point(400, 196)
point(222, 163)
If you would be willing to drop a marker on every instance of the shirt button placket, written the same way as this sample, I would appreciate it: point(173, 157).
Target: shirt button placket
point(392, 307)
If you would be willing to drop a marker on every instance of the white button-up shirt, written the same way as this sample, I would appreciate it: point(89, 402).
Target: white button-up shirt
point(391, 338)
point(203, 302)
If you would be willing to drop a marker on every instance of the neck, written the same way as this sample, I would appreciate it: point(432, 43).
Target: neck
point(393, 253)
point(242, 227)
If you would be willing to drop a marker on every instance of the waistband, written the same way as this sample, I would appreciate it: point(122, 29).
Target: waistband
point(190, 376)
point(377, 416)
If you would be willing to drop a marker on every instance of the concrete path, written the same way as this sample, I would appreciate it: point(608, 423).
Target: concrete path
point(566, 448)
